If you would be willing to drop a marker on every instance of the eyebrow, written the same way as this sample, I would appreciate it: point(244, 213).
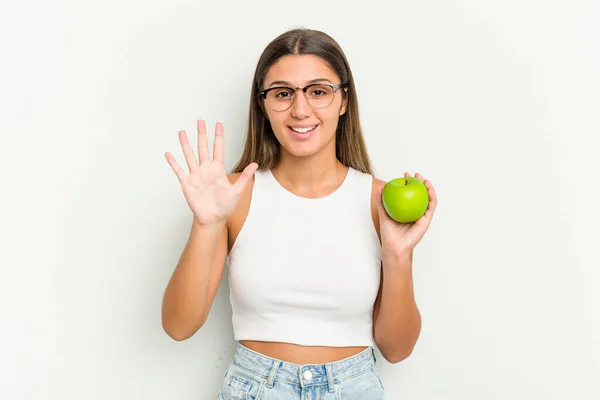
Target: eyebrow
point(308, 83)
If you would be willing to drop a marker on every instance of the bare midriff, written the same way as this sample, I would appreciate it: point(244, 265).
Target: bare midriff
point(297, 354)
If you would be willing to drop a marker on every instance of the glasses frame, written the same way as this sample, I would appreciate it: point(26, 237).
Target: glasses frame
point(335, 86)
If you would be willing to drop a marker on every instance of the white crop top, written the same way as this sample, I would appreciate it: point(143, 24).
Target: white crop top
point(306, 271)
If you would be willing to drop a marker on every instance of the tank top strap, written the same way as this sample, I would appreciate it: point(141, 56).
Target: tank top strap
point(266, 181)
point(359, 186)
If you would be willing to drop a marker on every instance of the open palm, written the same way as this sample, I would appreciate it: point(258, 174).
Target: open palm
point(207, 189)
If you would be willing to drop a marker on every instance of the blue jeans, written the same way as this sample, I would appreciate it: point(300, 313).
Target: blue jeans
point(253, 376)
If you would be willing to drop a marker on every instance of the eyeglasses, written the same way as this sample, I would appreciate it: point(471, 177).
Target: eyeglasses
point(318, 95)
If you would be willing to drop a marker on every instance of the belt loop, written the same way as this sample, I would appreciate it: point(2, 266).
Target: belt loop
point(272, 373)
point(300, 376)
point(330, 382)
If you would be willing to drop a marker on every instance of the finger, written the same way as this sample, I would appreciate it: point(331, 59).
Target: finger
point(202, 142)
point(176, 167)
point(425, 220)
point(418, 175)
point(406, 175)
point(188, 152)
point(432, 194)
point(243, 180)
point(218, 146)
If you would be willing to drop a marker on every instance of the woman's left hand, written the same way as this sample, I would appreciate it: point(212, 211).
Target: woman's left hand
point(399, 239)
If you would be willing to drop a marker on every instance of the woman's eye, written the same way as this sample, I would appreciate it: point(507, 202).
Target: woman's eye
point(282, 94)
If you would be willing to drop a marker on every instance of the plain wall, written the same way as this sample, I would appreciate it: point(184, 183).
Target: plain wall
point(497, 103)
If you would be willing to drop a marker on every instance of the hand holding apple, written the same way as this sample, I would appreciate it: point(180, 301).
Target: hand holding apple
point(405, 207)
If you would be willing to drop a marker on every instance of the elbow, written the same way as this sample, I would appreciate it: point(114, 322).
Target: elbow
point(179, 330)
point(177, 333)
point(394, 353)
point(181, 323)
point(395, 358)
point(397, 350)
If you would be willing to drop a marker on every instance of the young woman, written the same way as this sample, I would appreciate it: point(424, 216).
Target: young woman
point(319, 274)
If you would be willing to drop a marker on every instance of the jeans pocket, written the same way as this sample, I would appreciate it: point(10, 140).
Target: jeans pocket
point(364, 386)
point(376, 373)
point(220, 394)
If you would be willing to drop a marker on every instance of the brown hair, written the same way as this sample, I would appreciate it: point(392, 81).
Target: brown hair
point(261, 145)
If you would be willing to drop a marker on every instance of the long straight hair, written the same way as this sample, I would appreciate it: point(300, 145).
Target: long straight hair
point(261, 145)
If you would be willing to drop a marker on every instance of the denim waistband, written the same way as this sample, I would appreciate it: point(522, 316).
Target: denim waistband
point(271, 369)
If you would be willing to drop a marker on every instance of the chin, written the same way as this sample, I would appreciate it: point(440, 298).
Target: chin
point(304, 148)
point(300, 151)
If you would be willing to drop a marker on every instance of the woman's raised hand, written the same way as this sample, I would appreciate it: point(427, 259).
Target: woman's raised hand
point(207, 190)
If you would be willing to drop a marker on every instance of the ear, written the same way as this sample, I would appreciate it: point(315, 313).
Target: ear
point(344, 103)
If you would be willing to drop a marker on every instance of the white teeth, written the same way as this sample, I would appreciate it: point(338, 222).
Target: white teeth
point(303, 130)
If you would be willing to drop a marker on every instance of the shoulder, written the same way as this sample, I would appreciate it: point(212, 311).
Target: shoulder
point(377, 183)
point(375, 186)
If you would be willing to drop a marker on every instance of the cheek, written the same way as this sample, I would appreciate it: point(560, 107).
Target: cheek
point(277, 124)
point(329, 117)
point(331, 114)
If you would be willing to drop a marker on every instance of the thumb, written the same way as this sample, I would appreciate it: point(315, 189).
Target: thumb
point(243, 180)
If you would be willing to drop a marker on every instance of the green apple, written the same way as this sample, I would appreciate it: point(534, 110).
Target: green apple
point(405, 199)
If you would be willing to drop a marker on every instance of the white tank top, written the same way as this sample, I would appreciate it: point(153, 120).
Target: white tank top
point(306, 271)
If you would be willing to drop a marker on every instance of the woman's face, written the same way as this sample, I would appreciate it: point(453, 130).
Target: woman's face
point(297, 71)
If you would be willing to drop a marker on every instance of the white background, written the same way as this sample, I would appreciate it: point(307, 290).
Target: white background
point(497, 103)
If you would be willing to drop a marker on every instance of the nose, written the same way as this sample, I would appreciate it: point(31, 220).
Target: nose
point(300, 107)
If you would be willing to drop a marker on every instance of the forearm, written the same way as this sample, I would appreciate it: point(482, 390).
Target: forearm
point(185, 298)
point(398, 323)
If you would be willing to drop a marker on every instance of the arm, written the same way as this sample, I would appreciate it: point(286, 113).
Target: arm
point(212, 197)
point(194, 283)
point(396, 318)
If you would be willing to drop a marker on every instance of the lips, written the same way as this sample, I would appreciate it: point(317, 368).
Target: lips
point(303, 135)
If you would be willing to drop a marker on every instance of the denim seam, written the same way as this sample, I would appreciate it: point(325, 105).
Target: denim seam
point(378, 378)
point(261, 377)
point(346, 377)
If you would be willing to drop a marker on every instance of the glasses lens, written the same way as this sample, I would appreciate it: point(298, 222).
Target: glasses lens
point(319, 96)
point(279, 99)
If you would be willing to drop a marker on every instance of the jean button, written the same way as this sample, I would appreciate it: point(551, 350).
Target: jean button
point(308, 375)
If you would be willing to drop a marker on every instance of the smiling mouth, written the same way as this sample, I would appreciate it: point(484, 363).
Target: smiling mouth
point(302, 130)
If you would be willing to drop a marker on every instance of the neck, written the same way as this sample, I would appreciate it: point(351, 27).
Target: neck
point(309, 172)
